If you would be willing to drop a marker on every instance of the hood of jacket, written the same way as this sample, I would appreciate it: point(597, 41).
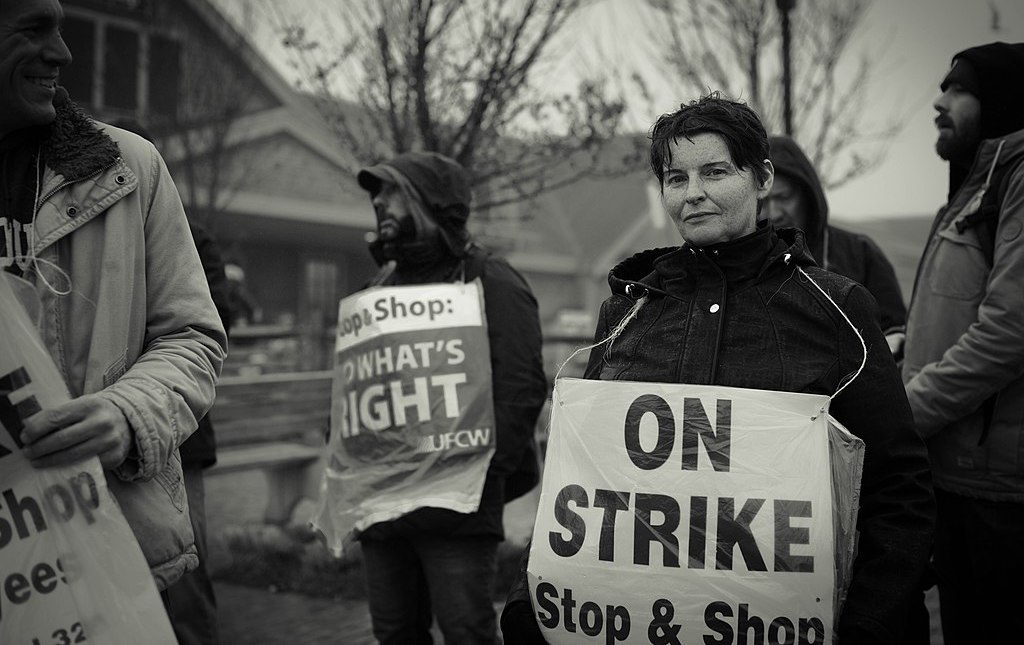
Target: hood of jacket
point(740, 260)
point(439, 190)
point(789, 160)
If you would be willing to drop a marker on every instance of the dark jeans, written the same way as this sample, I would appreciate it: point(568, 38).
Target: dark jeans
point(191, 605)
point(979, 561)
point(407, 579)
point(918, 630)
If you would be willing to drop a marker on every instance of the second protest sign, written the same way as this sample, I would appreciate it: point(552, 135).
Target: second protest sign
point(412, 413)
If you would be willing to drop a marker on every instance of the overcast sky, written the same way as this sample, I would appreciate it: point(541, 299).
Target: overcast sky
point(913, 180)
point(914, 41)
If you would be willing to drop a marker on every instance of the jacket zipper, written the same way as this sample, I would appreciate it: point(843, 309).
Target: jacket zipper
point(67, 183)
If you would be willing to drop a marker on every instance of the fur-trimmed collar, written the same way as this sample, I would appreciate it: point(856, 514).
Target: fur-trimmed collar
point(76, 148)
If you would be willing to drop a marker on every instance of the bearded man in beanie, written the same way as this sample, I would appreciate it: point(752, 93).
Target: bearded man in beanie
point(964, 356)
point(433, 560)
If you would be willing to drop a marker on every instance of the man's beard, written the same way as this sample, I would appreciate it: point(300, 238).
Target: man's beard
point(410, 245)
point(959, 144)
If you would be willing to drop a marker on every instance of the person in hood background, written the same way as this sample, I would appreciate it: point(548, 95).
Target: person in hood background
point(964, 356)
point(797, 199)
point(740, 304)
point(432, 559)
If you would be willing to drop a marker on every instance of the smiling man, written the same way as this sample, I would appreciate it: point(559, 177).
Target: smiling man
point(964, 360)
point(31, 55)
point(30, 61)
point(92, 223)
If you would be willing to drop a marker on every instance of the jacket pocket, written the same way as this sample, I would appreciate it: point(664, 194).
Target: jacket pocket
point(970, 270)
point(172, 481)
point(116, 370)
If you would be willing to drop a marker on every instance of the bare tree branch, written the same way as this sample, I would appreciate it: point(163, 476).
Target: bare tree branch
point(828, 106)
point(213, 97)
point(458, 77)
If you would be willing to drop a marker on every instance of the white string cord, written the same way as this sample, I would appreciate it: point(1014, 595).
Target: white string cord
point(992, 168)
point(639, 303)
point(611, 337)
point(863, 345)
point(36, 262)
point(32, 257)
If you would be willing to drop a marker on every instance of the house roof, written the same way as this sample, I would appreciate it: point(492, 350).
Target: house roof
point(600, 220)
point(585, 227)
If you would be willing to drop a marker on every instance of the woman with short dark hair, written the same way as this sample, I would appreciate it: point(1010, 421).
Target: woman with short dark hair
point(739, 304)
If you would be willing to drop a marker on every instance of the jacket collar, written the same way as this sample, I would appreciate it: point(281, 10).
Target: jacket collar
point(738, 261)
point(75, 147)
point(74, 150)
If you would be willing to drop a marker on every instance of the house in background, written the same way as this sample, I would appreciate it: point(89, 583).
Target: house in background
point(256, 164)
point(251, 159)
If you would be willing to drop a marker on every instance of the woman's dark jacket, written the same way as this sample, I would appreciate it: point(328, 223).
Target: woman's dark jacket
point(519, 389)
point(740, 314)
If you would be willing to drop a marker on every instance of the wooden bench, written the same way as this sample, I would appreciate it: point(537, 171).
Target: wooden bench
point(287, 468)
point(274, 423)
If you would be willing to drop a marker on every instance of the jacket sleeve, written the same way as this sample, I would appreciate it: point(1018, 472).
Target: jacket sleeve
point(990, 354)
point(896, 514)
point(171, 385)
point(880, 279)
point(517, 370)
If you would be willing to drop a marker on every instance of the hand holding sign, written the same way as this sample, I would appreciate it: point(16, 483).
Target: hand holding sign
point(89, 426)
point(73, 571)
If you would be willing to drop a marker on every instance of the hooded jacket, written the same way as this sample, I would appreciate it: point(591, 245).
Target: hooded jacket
point(964, 355)
point(138, 326)
point(741, 314)
point(437, 191)
point(853, 255)
point(519, 385)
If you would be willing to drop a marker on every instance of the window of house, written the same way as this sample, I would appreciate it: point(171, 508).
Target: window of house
point(164, 71)
point(321, 297)
point(121, 68)
point(80, 37)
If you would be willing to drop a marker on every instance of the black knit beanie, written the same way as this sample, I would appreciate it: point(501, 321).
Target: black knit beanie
point(995, 74)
